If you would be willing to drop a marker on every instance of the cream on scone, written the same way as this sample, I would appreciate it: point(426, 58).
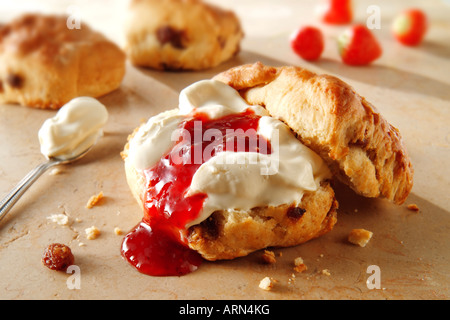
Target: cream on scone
point(266, 189)
point(45, 64)
point(180, 34)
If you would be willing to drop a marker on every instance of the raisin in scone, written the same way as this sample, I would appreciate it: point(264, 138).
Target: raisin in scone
point(240, 197)
point(180, 34)
point(361, 148)
point(44, 64)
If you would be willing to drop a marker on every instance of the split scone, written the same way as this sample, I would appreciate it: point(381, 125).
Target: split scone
point(222, 178)
point(180, 34)
point(361, 148)
point(296, 129)
point(44, 64)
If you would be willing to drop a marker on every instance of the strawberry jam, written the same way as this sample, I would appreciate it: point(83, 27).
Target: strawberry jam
point(157, 246)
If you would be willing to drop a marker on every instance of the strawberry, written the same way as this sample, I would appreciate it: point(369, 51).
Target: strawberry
point(410, 27)
point(338, 12)
point(358, 46)
point(307, 42)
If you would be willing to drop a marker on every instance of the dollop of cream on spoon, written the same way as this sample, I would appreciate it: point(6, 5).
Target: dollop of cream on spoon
point(74, 129)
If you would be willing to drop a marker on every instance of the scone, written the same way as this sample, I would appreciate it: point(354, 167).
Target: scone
point(232, 233)
point(180, 34)
point(223, 179)
point(361, 148)
point(44, 64)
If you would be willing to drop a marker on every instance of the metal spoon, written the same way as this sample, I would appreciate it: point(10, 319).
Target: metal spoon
point(14, 195)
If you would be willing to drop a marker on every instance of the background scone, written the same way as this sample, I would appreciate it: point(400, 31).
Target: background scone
point(361, 148)
point(44, 64)
point(180, 34)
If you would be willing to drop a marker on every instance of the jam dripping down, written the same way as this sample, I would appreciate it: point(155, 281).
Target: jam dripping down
point(157, 246)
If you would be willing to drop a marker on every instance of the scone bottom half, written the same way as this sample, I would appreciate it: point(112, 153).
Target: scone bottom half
point(232, 234)
point(164, 190)
point(236, 233)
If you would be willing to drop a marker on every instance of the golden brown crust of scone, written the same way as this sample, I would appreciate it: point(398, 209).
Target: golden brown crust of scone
point(235, 233)
point(180, 34)
point(359, 145)
point(44, 64)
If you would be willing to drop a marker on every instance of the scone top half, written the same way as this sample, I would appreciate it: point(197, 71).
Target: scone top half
point(45, 64)
point(362, 149)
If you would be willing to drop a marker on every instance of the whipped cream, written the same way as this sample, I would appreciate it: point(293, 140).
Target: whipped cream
point(74, 128)
point(233, 180)
point(154, 139)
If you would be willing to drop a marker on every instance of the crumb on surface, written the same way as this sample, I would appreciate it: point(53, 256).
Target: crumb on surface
point(291, 280)
point(56, 171)
point(359, 237)
point(118, 231)
point(266, 284)
point(268, 257)
point(326, 272)
point(59, 218)
point(299, 265)
point(94, 200)
point(92, 233)
point(413, 207)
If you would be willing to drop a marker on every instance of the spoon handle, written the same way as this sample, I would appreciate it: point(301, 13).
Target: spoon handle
point(11, 198)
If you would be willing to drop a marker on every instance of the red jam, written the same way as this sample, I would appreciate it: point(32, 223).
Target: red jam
point(157, 245)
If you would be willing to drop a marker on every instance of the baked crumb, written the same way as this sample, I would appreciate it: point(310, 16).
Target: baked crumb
point(268, 257)
point(92, 233)
point(59, 218)
point(291, 280)
point(117, 231)
point(56, 171)
point(326, 272)
point(94, 200)
point(267, 283)
point(298, 261)
point(299, 265)
point(360, 237)
point(413, 207)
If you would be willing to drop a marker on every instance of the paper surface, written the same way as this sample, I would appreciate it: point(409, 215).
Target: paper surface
point(409, 86)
